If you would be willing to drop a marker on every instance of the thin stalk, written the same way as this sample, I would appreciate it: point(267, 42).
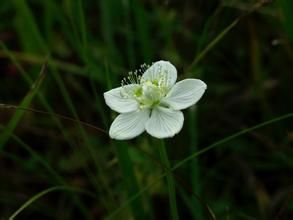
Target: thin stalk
point(170, 181)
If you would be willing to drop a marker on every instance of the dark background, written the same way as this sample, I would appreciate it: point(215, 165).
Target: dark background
point(241, 49)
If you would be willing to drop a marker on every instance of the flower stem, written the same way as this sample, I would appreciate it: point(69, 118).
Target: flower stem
point(170, 181)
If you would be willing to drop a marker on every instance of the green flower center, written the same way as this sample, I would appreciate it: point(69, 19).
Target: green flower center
point(149, 94)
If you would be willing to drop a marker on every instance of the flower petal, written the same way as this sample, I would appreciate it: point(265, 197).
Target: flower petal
point(129, 125)
point(164, 122)
point(120, 102)
point(162, 72)
point(185, 93)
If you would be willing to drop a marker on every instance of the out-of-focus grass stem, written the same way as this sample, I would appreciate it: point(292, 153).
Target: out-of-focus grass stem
point(194, 166)
point(170, 181)
point(129, 179)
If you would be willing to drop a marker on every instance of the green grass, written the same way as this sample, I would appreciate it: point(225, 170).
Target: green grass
point(57, 58)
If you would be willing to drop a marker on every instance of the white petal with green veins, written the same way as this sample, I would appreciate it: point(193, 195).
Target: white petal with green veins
point(164, 122)
point(161, 73)
point(121, 100)
point(184, 94)
point(129, 125)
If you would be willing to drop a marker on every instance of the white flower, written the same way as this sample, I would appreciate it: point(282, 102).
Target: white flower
point(152, 102)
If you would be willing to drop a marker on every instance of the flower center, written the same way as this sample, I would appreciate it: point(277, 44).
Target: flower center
point(148, 94)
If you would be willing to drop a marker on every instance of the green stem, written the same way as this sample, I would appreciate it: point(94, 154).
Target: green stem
point(170, 181)
point(130, 179)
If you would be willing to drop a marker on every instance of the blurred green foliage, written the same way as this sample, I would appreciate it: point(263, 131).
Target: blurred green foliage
point(241, 49)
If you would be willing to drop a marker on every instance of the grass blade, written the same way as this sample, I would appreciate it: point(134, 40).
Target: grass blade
point(220, 36)
point(195, 171)
point(39, 59)
point(286, 6)
point(170, 181)
point(27, 28)
point(41, 194)
point(12, 124)
point(216, 40)
point(130, 179)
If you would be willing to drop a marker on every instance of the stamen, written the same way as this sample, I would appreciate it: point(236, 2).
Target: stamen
point(143, 68)
point(134, 77)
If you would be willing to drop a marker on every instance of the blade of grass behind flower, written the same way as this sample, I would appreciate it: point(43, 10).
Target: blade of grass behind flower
point(26, 27)
point(190, 204)
point(129, 33)
point(217, 39)
point(170, 181)
point(77, 20)
point(80, 20)
point(40, 96)
point(13, 122)
point(38, 37)
point(130, 179)
point(220, 142)
point(97, 98)
point(43, 193)
point(195, 171)
point(206, 30)
point(50, 112)
point(89, 147)
point(55, 117)
point(143, 31)
point(220, 36)
point(40, 59)
point(56, 177)
point(108, 13)
point(286, 7)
